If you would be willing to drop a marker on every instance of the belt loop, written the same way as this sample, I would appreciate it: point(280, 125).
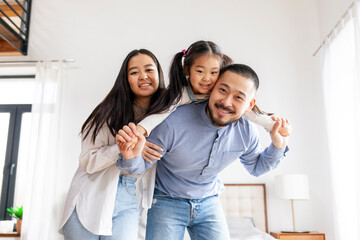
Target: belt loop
point(123, 181)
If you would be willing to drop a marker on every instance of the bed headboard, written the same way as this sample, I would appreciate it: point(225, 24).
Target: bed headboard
point(246, 200)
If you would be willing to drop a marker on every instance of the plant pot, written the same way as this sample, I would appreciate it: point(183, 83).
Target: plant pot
point(18, 225)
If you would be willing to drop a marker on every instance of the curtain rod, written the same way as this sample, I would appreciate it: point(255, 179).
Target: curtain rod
point(70, 60)
point(336, 25)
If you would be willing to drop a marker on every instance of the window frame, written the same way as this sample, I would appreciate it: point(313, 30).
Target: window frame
point(11, 155)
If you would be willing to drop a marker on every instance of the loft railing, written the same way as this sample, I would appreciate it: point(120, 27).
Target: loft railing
point(14, 26)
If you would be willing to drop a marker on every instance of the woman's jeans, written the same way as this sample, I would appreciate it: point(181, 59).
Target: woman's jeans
point(125, 216)
point(169, 216)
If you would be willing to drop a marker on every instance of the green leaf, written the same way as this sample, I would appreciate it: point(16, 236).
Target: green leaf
point(15, 212)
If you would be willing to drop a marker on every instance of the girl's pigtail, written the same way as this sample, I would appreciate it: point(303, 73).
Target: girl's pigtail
point(173, 92)
point(177, 79)
point(226, 60)
point(257, 110)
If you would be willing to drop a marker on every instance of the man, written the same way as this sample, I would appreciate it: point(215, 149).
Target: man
point(198, 141)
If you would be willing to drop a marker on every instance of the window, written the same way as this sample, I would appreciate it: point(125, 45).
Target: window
point(16, 94)
point(11, 126)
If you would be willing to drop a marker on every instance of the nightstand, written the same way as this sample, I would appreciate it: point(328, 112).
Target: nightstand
point(299, 236)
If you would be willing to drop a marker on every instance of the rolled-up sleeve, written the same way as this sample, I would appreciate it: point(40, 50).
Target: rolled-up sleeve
point(161, 136)
point(132, 166)
point(257, 161)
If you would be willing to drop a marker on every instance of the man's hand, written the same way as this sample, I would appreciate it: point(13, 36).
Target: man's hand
point(280, 132)
point(149, 151)
point(130, 142)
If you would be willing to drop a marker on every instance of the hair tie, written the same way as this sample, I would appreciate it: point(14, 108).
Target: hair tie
point(184, 52)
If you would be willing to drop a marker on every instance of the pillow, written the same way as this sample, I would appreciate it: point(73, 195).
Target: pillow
point(244, 229)
point(243, 223)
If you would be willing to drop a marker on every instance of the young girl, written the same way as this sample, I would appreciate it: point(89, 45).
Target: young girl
point(193, 74)
point(101, 202)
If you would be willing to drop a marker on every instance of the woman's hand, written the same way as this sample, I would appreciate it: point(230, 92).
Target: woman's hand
point(149, 151)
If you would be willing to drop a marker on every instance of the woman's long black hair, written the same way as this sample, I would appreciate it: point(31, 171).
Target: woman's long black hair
point(116, 110)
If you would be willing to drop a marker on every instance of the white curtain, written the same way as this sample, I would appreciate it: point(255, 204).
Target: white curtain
point(341, 84)
point(41, 213)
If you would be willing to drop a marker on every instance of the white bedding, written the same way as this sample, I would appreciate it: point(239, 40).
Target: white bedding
point(244, 229)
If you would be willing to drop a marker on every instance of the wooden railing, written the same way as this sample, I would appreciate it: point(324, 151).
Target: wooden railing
point(14, 27)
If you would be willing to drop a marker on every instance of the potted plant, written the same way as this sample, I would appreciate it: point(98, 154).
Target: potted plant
point(16, 212)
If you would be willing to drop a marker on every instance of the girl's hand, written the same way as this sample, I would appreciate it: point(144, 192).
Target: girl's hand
point(141, 130)
point(130, 142)
point(149, 151)
point(284, 131)
point(125, 147)
point(126, 133)
point(278, 139)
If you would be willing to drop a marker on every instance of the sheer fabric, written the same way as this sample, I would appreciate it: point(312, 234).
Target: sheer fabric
point(41, 208)
point(341, 85)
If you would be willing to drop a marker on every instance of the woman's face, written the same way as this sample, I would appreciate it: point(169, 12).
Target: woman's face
point(143, 78)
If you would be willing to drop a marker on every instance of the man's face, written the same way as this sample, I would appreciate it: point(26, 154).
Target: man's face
point(232, 96)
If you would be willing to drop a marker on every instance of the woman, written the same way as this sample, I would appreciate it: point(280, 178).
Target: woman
point(101, 202)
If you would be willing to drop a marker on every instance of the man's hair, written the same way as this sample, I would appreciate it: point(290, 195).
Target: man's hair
point(243, 70)
point(249, 73)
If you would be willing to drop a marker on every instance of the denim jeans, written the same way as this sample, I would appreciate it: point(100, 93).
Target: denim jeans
point(125, 216)
point(203, 218)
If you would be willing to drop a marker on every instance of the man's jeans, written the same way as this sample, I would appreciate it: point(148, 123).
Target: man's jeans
point(203, 218)
point(125, 216)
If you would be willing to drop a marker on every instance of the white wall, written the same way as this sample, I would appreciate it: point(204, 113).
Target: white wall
point(275, 37)
point(330, 12)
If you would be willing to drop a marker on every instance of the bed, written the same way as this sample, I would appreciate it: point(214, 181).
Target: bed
point(245, 210)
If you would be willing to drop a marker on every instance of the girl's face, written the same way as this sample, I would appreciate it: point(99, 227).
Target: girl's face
point(143, 78)
point(204, 73)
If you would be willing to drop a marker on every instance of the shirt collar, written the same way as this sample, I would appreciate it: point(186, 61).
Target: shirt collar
point(193, 97)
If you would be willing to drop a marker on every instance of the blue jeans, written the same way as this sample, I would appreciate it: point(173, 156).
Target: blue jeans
point(125, 216)
point(203, 218)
